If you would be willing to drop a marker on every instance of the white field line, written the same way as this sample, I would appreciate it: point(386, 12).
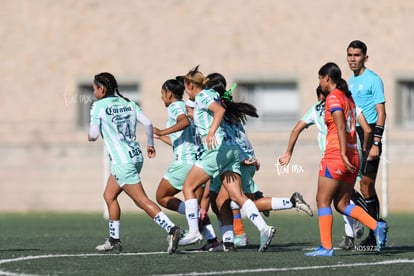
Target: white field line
point(276, 269)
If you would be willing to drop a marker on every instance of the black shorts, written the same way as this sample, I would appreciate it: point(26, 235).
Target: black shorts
point(368, 166)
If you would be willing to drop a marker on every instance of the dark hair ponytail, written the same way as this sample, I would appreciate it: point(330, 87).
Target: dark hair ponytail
point(109, 82)
point(175, 87)
point(235, 111)
point(334, 73)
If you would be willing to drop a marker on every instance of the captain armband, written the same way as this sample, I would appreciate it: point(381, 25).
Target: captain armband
point(378, 131)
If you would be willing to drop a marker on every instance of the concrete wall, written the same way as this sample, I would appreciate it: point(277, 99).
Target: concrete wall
point(48, 46)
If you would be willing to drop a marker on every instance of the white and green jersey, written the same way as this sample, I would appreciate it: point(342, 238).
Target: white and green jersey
point(239, 135)
point(316, 115)
point(203, 118)
point(116, 120)
point(182, 141)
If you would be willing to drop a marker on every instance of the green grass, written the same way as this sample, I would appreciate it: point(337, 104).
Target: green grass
point(67, 242)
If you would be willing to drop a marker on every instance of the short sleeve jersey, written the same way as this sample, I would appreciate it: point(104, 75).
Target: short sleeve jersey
point(203, 118)
point(182, 141)
point(117, 121)
point(316, 116)
point(239, 136)
point(335, 101)
point(367, 91)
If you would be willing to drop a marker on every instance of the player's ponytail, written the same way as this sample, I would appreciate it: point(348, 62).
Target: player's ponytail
point(109, 82)
point(235, 111)
point(334, 73)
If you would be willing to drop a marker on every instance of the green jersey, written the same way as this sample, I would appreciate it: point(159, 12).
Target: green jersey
point(182, 141)
point(203, 118)
point(316, 116)
point(116, 120)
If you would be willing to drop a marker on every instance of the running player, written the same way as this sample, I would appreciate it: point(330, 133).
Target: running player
point(236, 116)
point(115, 118)
point(219, 158)
point(316, 116)
point(339, 166)
point(180, 134)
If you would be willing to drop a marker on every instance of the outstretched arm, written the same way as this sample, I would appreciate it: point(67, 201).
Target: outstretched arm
point(294, 135)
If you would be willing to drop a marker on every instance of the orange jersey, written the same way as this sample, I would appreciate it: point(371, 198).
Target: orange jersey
point(335, 101)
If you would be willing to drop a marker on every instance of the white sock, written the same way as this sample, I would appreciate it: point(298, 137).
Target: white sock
point(228, 233)
point(349, 226)
point(181, 208)
point(162, 220)
point(253, 214)
point(281, 203)
point(208, 232)
point(114, 229)
point(191, 213)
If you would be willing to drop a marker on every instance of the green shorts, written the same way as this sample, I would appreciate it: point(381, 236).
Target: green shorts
point(177, 173)
point(127, 173)
point(248, 184)
point(224, 158)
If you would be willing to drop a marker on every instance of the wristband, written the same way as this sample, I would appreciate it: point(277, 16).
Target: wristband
point(378, 131)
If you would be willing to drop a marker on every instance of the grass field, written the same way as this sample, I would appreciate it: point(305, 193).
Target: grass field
point(64, 244)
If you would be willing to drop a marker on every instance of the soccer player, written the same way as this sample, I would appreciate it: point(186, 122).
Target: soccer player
point(339, 166)
point(219, 158)
point(235, 117)
point(180, 134)
point(115, 118)
point(368, 93)
point(316, 116)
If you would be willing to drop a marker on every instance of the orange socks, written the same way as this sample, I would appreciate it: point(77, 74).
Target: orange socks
point(237, 223)
point(358, 213)
point(325, 226)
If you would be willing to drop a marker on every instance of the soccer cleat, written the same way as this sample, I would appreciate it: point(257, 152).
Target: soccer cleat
point(266, 237)
point(381, 234)
point(224, 247)
point(240, 240)
point(109, 245)
point(321, 252)
point(368, 242)
point(190, 238)
point(173, 238)
point(210, 245)
point(347, 243)
point(300, 204)
point(358, 229)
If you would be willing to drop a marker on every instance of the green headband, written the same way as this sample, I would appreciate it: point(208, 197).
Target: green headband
point(227, 95)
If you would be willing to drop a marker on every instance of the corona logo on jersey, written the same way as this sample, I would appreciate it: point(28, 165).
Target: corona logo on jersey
point(111, 110)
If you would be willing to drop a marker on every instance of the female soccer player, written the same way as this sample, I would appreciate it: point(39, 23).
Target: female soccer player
point(235, 116)
point(115, 118)
point(340, 164)
point(220, 158)
point(180, 134)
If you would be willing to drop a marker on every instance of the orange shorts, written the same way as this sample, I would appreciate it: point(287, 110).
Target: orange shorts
point(334, 168)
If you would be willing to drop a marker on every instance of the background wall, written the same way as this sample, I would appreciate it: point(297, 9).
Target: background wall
point(47, 47)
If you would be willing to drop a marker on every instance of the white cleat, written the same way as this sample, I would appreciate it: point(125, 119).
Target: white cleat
point(190, 238)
